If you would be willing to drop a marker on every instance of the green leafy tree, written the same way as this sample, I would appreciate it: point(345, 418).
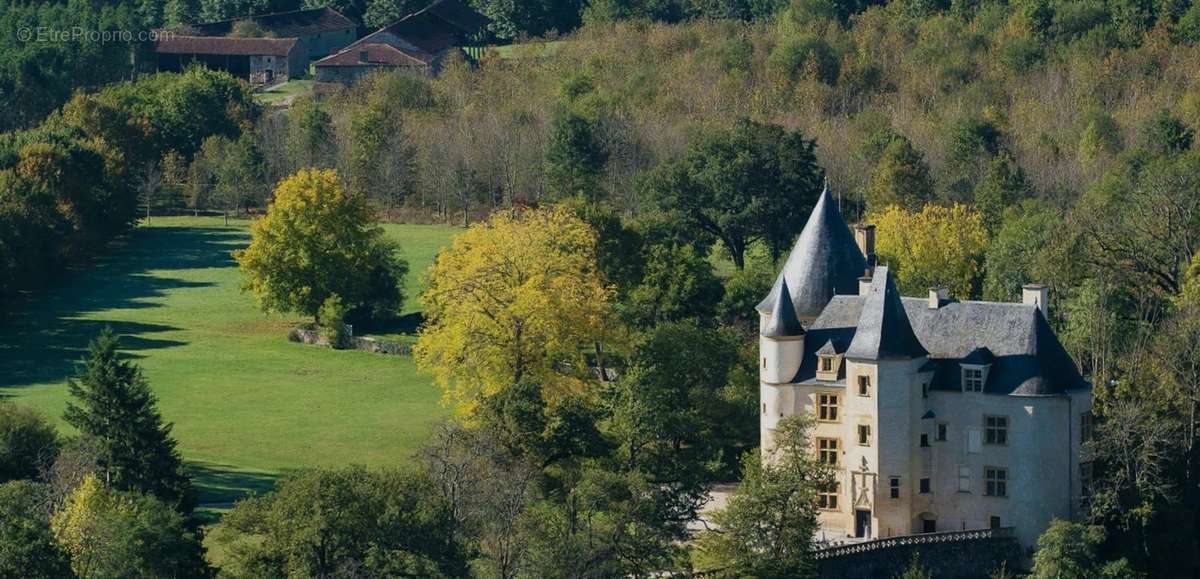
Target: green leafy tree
point(607, 524)
point(119, 534)
point(320, 523)
point(28, 442)
point(318, 240)
point(310, 134)
point(180, 12)
point(113, 405)
point(381, 13)
point(671, 410)
point(1166, 134)
point(1003, 185)
point(575, 157)
point(1069, 550)
point(743, 291)
point(900, 178)
point(767, 528)
point(676, 284)
point(754, 182)
point(27, 548)
point(1014, 255)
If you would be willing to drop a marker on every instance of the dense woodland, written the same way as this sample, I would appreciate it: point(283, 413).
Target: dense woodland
point(992, 143)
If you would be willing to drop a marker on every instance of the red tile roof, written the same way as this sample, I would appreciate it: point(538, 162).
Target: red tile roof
point(377, 54)
point(224, 46)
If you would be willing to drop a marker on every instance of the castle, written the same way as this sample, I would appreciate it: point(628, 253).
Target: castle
point(936, 414)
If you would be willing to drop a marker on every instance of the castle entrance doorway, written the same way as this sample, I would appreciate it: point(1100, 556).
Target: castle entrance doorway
point(862, 523)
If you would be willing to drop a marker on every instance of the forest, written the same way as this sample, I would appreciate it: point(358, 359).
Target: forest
point(992, 143)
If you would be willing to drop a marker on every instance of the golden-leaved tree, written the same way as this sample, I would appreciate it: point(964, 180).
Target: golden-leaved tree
point(318, 241)
point(936, 246)
point(518, 297)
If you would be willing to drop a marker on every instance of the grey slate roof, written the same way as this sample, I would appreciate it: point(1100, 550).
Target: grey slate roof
point(883, 327)
point(829, 349)
point(825, 261)
point(783, 321)
point(1028, 358)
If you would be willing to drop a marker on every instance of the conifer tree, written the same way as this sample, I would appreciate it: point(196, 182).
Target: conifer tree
point(112, 403)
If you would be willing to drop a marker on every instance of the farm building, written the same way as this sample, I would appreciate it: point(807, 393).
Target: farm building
point(323, 31)
point(419, 42)
point(260, 61)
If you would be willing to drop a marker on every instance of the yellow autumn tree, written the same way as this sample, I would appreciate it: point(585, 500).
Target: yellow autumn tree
point(84, 526)
point(516, 298)
point(936, 246)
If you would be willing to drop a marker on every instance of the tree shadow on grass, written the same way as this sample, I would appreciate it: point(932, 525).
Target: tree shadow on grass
point(219, 486)
point(44, 336)
point(222, 485)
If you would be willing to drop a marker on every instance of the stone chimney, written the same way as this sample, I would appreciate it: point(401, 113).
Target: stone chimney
point(937, 296)
point(864, 285)
point(1036, 294)
point(864, 236)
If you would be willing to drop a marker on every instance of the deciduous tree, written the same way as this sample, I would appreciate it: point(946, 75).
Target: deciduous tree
point(512, 299)
point(768, 526)
point(755, 182)
point(112, 534)
point(318, 240)
point(936, 246)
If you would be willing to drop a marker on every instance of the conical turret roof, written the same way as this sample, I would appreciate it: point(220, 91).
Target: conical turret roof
point(884, 330)
point(783, 321)
point(825, 261)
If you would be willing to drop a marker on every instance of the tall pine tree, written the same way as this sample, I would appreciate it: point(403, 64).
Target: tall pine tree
point(114, 405)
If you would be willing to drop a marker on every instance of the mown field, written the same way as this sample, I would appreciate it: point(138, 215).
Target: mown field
point(247, 404)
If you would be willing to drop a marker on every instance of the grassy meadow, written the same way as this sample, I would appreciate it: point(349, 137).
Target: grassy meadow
point(247, 405)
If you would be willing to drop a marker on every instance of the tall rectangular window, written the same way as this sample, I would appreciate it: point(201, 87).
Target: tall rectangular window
point(827, 407)
point(864, 385)
point(864, 435)
point(827, 451)
point(995, 481)
point(827, 498)
point(894, 487)
point(1085, 427)
point(964, 479)
point(972, 379)
point(995, 430)
point(826, 364)
point(925, 486)
point(942, 429)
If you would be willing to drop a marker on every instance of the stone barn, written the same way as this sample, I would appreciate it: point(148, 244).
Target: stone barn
point(260, 61)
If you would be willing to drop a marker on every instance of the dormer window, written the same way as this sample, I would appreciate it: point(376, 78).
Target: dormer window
point(829, 362)
point(972, 379)
point(975, 369)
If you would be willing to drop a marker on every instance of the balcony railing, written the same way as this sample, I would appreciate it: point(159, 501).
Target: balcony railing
point(822, 553)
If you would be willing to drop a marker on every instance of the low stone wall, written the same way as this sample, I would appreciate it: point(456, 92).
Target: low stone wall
point(389, 347)
point(950, 555)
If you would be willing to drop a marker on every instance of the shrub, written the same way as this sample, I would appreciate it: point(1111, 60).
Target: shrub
point(331, 320)
point(27, 442)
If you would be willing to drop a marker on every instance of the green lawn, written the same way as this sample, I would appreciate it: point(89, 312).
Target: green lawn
point(247, 404)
